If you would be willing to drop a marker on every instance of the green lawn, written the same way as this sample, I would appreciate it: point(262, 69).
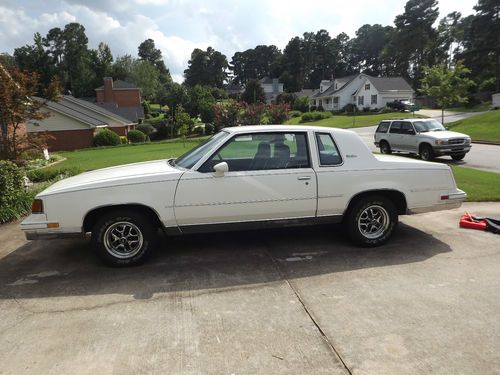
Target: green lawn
point(482, 127)
point(479, 185)
point(343, 121)
point(94, 158)
point(477, 108)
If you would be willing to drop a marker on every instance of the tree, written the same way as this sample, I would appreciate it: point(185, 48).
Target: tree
point(293, 66)
point(254, 93)
point(200, 103)
point(122, 67)
point(206, 68)
point(366, 49)
point(148, 51)
point(146, 76)
point(447, 85)
point(256, 63)
point(182, 123)
point(17, 108)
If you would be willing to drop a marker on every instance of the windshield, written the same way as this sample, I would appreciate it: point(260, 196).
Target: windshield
point(428, 126)
point(190, 158)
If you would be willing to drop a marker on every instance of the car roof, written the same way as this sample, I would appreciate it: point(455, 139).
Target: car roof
point(290, 128)
point(406, 119)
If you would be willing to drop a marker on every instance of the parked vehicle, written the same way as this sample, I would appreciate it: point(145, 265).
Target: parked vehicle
point(425, 137)
point(401, 105)
point(242, 178)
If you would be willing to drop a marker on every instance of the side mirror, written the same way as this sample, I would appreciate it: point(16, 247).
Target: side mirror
point(411, 131)
point(220, 169)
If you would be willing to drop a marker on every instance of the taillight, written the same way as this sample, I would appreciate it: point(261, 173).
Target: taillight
point(37, 206)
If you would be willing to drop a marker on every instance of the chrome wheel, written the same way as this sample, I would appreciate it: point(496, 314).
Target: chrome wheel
point(373, 221)
point(123, 239)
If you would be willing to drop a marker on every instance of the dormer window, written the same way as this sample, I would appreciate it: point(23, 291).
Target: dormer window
point(367, 86)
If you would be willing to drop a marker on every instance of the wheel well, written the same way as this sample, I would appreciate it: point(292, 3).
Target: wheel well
point(394, 196)
point(92, 216)
point(423, 144)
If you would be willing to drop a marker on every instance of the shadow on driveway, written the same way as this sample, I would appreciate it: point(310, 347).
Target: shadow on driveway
point(203, 263)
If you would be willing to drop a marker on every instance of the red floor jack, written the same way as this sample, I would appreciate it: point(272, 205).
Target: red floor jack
point(480, 223)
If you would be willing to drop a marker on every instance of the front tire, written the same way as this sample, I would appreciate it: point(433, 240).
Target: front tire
point(458, 157)
point(124, 238)
point(371, 221)
point(426, 153)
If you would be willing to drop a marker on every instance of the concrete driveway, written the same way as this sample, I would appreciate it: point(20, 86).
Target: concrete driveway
point(291, 301)
point(484, 157)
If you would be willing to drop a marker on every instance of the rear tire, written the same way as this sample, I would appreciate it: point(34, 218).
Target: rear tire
point(385, 148)
point(426, 153)
point(371, 221)
point(124, 238)
point(458, 157)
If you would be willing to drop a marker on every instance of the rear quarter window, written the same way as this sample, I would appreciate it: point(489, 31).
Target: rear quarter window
point(383, 126)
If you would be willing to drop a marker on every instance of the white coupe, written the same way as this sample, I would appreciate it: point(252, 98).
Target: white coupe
point(243, 178)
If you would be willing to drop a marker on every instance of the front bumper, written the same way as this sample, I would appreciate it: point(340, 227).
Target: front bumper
point(451, 150)
point(35, 227)
point(454, 201)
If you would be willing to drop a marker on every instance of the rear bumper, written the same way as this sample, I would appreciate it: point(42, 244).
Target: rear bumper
point(454, 201)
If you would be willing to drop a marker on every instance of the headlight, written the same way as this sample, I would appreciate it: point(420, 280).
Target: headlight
point(37, 206)
point(467, 141)
point(441, 141)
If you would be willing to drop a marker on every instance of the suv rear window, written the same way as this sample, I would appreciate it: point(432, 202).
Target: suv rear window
point(383, 126)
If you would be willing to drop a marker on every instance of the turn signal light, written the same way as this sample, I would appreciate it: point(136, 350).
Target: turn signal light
point(53, 225)
point(37, 206)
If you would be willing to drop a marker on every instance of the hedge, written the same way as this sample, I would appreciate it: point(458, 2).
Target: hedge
point(15, 202)
point(136, 136)
point(315, 116)
point(106, 137)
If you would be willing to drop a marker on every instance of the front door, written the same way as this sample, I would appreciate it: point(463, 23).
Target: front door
point(270, 177)
point(408, 138)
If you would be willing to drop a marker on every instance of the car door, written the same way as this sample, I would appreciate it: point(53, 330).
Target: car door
point(408, 138)
point(395, 137)
point(270, 177)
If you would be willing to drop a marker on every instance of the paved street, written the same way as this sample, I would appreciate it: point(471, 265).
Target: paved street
point(484, 157)
point(289, 301)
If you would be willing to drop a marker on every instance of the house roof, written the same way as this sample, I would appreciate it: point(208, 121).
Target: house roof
point(96, 108)
point(132, 114)
point(380, 83)
point(122, 85)
point(390, 83)
point(65, 107)
point(267, 81)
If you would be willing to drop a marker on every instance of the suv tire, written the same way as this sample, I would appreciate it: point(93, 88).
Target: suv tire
point(426, 153)
point(458, 157)
point(385, 148)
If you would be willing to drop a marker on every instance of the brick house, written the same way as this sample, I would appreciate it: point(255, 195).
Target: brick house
point(122, 98)
point(73, 122)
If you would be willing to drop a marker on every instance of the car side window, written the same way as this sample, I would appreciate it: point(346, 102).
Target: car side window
point(395, 127)
point(382, 128)
point(407, 128)
point(327, 150)
point(261, 151)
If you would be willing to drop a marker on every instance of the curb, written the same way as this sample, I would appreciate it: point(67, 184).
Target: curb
point(487, 143)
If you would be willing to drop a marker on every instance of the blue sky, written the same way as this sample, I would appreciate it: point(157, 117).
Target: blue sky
point(179, 26)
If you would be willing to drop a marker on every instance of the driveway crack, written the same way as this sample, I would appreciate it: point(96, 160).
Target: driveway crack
point(308, 311)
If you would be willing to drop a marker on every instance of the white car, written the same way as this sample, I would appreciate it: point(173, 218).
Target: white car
point(241, 178)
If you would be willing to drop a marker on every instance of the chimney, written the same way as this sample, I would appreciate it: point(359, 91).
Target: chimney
point(108, 89)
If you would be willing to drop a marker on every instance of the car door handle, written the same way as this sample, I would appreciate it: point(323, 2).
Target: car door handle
point(303, 178)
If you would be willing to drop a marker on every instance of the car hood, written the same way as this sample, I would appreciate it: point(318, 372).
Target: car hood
point(444, 135)
point(158, 170)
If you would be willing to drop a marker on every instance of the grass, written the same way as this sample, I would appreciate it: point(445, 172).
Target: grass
point(482, 127)
point(477, 108)
point(94, 158)
point(480, 186)
point(343, 121)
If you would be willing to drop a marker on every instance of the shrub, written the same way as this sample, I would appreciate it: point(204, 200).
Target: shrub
point(136, 136)
point(295, 114)
point(106, 137)
point(301, 104)
point(123, 140)
point(349, 108)
point(312, 108)
point(315, 116)
point(48, 174)
point(252, 114)
point(147, 129)
point(209, 129)
point(14, 202)
point(278, 113)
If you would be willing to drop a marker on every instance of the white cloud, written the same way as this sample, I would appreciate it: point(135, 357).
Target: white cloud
point(179, 26)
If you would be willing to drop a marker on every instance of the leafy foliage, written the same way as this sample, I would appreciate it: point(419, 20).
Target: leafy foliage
point(278, 113)
point(315, 116)
point(136, 136)
point(252, 113)
point(106, 137)
point(206, 68)
point(254, 93)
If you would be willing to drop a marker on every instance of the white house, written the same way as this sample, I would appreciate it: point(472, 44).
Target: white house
point(362, 90)
point(272, 88)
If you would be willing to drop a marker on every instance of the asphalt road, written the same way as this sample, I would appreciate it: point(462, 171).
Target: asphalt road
point(289, 301)
point(481, 156)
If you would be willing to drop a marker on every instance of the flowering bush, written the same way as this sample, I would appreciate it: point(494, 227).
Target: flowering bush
point(278, 113)
point(226, 114)
point(252, 113)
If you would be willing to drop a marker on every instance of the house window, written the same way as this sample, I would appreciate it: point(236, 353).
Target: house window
point(328, 101)
point(335, 100)
point(374, 99)
point(361, 100)
point(320, 103)
point(367, 86)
